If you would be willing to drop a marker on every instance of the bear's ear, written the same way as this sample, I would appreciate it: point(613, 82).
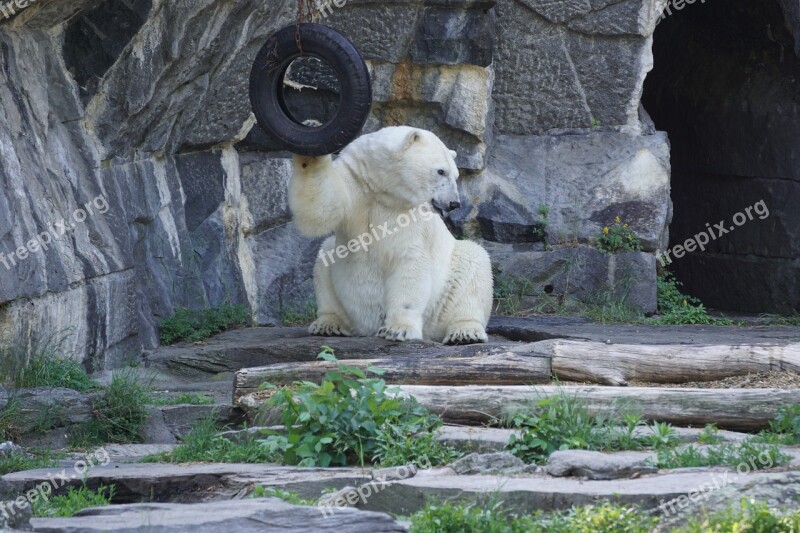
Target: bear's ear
point(412, 137)
point(453, 153)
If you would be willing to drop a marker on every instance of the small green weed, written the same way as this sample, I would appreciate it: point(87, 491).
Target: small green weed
point(66, 505)
point(748, 454)
point(787, 423)
point(618, 238)
point(710, 435)
point(540, 230)
point(347, 419)
point(289, 497)
point(480, 518)
point(193, 325)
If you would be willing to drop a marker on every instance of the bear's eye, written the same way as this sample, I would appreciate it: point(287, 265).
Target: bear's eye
point(441, 172)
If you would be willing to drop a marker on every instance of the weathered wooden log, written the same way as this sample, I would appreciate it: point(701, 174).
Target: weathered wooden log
point(616, 364)
point(736, 409)
point(512, 366)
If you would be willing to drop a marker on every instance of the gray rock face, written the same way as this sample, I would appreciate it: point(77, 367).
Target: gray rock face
point(598, 465)
point(532, 277)
point(239, 515)
point(585, 181)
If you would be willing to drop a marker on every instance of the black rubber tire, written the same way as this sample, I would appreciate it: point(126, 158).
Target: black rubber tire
point(266, 95)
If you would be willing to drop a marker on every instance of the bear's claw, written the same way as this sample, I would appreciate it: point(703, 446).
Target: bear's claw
point(467, 335)
point(399, 333)
point(329, 327)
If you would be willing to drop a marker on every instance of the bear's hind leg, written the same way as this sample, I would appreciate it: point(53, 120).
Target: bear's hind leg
point(468, 299)
point(331, 319)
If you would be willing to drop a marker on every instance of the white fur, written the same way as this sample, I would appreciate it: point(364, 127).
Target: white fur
point(417, 283)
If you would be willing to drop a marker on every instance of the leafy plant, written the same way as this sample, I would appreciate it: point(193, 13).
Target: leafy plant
point(563, 421)
point(66, 505)
point(787, 423)
point(397, 447)
point(677, 308)
point(193, 325)
point(750, 516)
point(663, 436)
point(343, 420)
point(119, 413)
point(618, 237)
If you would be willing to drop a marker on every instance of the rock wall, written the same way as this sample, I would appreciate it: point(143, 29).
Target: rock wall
point(144, 103)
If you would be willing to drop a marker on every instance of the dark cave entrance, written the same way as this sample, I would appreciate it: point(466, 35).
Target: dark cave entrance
point(726, 88)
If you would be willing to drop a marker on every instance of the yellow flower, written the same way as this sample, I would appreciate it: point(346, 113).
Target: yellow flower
point(625, 226)
point(618, 219)
point(605, 230)
point(685, 302)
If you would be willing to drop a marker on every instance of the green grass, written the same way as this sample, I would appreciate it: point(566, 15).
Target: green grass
point(193, 325)
point(480, 518)
point(748, 456)
point(120, 413)
point(302, 315)
point(289, 497)
point(45, 365)
point(787, 424)
point(752, 516)
point(181, 399)
point(20, 463)
point(66, 505)
point(563, 421)
point(204, 445)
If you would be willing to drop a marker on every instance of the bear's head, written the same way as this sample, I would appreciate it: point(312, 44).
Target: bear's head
point(410, 167)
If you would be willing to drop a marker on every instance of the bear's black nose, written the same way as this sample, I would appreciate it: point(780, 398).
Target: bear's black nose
point(454, 205)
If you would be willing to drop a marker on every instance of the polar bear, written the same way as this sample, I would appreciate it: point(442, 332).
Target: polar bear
point(391, 268)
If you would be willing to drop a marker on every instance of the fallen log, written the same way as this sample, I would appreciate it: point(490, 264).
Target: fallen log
point(616, 364)
point(736, 409)
point(501, 366)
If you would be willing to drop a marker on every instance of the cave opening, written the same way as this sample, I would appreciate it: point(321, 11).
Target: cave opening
point(726, 88)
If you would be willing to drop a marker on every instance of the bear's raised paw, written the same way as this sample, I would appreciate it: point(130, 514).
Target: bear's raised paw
point(329, 326)
point(470, 334)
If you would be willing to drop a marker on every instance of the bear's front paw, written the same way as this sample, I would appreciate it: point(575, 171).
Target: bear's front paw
point(329, 326)
point(400, 332)
point(468, 334)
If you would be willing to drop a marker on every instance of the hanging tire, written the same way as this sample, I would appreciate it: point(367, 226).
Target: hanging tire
point(267, 86)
